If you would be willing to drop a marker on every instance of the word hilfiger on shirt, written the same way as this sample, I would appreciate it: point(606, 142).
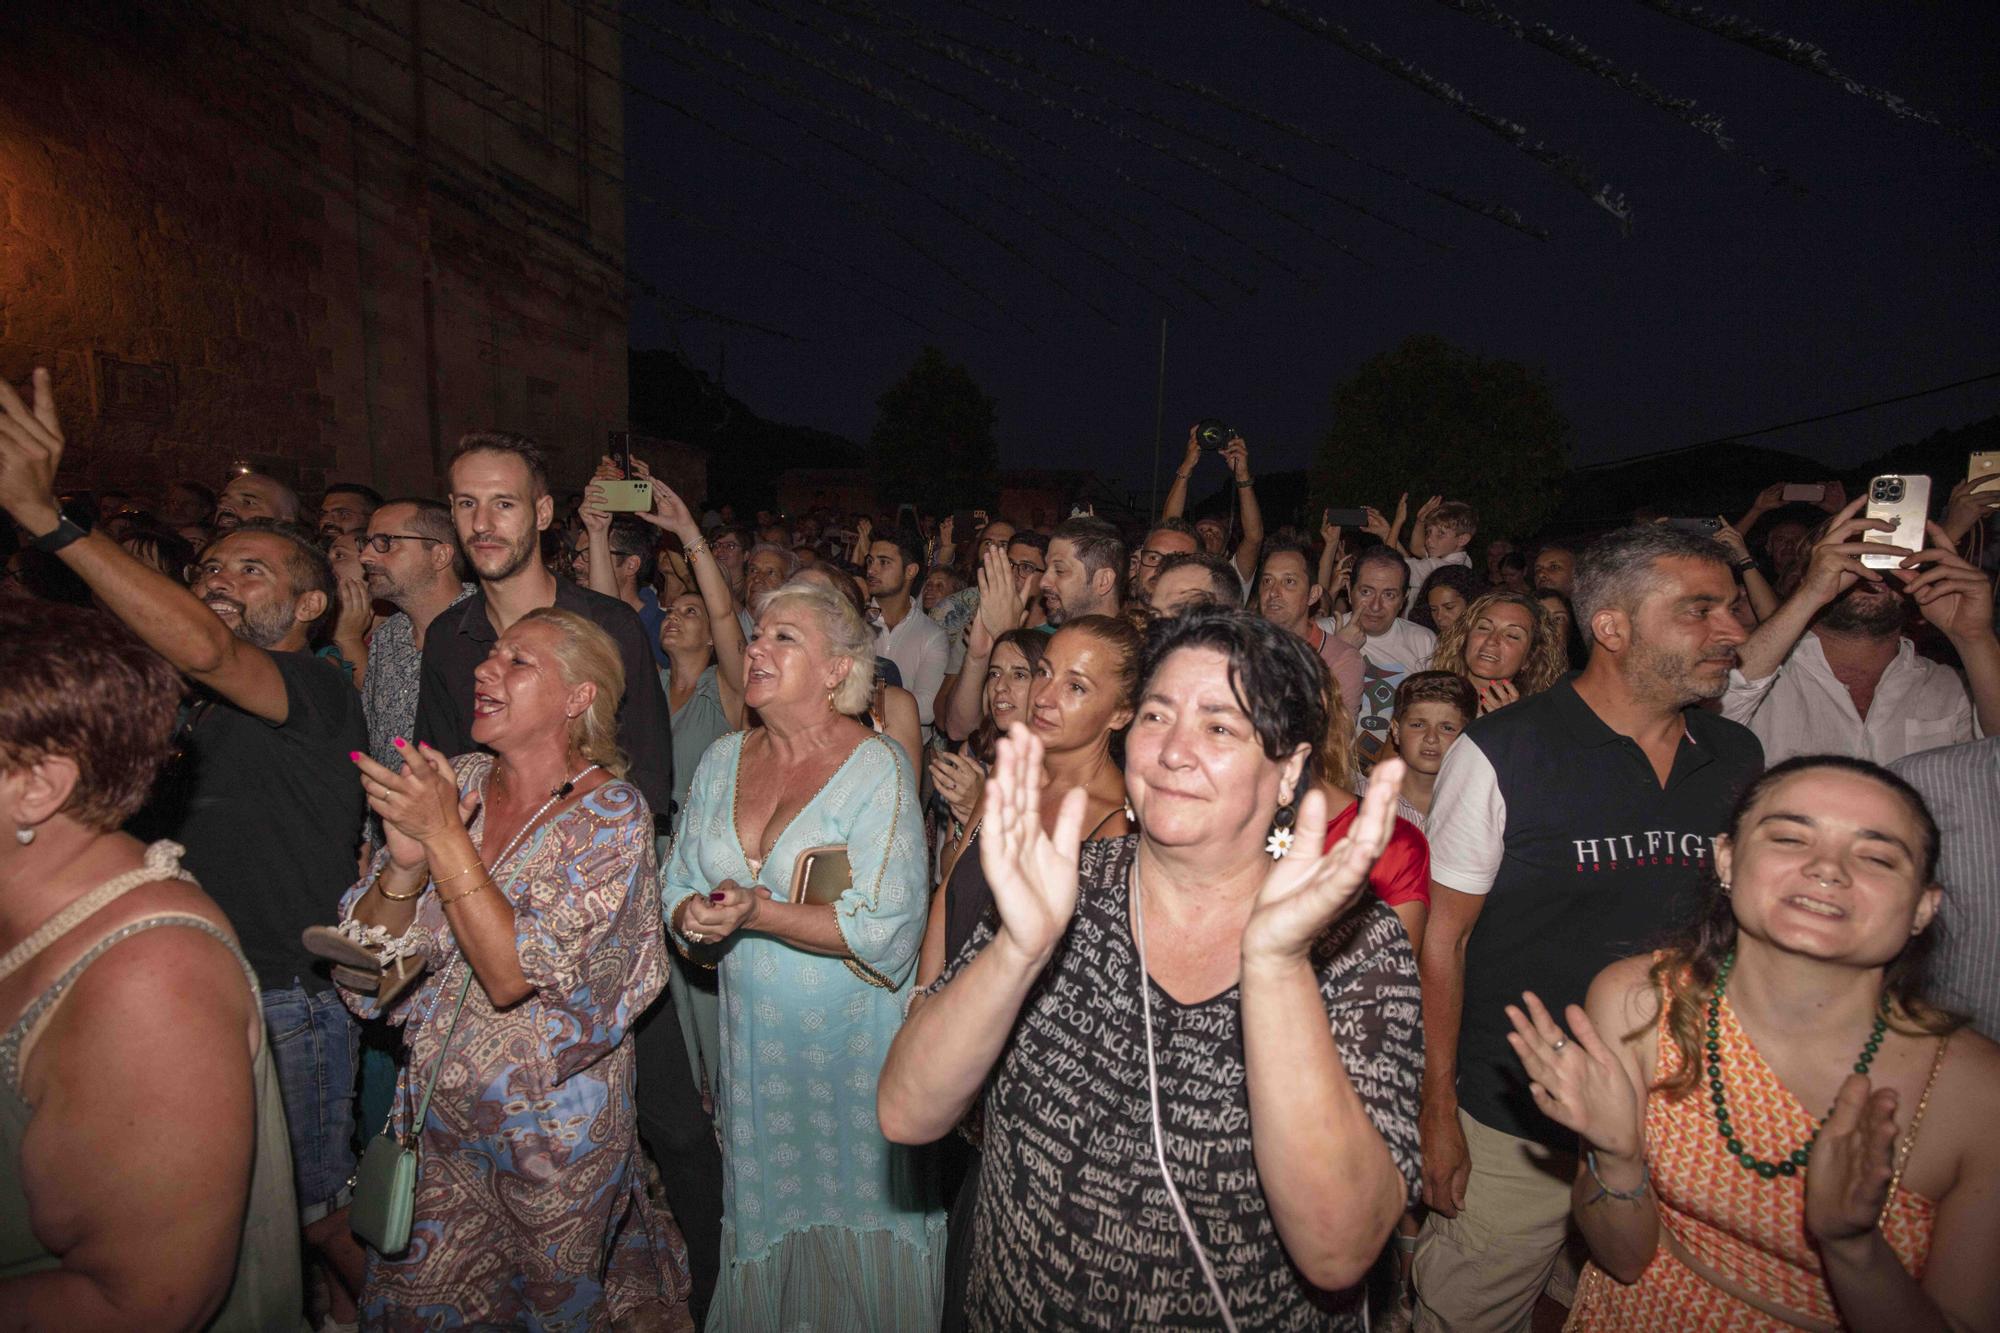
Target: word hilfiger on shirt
point(1653, 847)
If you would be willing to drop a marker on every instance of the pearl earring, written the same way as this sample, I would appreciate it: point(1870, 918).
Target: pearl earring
point(24, 836)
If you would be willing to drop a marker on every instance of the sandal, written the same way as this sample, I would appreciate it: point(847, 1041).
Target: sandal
point(367, 959)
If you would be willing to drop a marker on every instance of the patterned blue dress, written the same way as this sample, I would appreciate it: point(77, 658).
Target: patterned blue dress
point(825, 1224)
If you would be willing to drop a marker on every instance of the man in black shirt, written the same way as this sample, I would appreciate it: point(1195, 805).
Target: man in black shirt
point(272, 814)
point(1568, 830)
point(500, 504)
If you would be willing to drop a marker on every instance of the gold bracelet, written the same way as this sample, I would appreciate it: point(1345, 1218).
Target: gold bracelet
point(477, 885)
point(396, 897)
point(692, 551)
point(456, 873)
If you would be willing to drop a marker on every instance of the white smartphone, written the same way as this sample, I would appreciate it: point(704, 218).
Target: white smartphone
point(1903, 501)
point(1811, 493)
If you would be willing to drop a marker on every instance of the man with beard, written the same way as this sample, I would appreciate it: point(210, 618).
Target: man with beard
point(345, 509)
point(1567, 830)
point(903, 633)
point(1832, 672)
point(1169, 537)
point(269, 807)
point(410, 560)
point(1086, 559)
point(253, 495)
point(1286, 594)
point(500, 506)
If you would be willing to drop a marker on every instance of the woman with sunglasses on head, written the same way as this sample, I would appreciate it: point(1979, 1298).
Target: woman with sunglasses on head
point(1781, 1131)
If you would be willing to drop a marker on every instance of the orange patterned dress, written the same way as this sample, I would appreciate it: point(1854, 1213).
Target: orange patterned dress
point(1732, 1221)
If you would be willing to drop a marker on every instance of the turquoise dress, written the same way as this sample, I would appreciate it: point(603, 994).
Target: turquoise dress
point(825, 1224)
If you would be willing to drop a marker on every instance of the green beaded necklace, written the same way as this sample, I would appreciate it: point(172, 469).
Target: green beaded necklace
point(1745, 1157)
point(1748, 1160)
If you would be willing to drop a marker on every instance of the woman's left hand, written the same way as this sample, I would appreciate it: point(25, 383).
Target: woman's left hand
point(726, 909)
point(1496, 694)
point(418, 805)
point(1308, 889)
point(1847, 1179)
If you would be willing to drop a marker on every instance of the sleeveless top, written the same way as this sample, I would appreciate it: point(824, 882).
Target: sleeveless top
point(1731, 1221)
point(267, 1291)
point(967, 896)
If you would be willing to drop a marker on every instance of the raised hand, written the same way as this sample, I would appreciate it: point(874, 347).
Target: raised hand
point(1002, 604)
point(1581, 1084)
point(1329, 531)
point(1971, 501)
point(1834, 498)
point(1193, 454)
point(944, 532)
point(357, 608)
point(1952, 594)
point(1375, 525)
point(1727, 534)
point(1847, 1178)
point(1312, 885)
point(1237, 455)
point(596, 518)
point(1032, 872)
point(960, 781)
point(419, 805)
point(1497, 694)
point(1833, 565)
point(670, 512)
point(31, 448)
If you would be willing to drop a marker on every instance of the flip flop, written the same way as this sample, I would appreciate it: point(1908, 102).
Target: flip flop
point(329, 943)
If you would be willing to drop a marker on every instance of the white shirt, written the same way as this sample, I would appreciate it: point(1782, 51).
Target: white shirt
point(1802, 709)
point(1402, 648)
point(1467, 828)
point(918, 647)
point(1422, 567)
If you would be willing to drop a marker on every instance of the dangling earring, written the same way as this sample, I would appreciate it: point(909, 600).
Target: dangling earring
point(24, 835)
point(1280, 842)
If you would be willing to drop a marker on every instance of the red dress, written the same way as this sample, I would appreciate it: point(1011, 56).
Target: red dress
point(1403, 872)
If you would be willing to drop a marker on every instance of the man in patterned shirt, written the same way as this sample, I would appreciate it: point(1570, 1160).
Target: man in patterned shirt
point(410, 559)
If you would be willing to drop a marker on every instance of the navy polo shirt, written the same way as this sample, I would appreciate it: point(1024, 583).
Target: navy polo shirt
point(1583, 858)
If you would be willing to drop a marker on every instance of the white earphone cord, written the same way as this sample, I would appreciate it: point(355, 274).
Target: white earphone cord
point(1153, 1092)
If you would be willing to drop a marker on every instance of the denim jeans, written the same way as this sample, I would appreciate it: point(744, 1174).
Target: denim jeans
point(316, 1044)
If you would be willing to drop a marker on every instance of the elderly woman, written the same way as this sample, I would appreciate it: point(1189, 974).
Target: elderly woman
point(145, 1175)
point(540, 919)
point(1506, 646)
point(825, 1224)
point(1712, 1193)
point(1197, 1065)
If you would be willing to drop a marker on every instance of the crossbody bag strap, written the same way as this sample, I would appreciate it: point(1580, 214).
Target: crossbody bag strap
point(437, 1065)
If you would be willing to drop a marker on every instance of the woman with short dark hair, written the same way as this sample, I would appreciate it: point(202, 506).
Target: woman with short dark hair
point(158, 1193)
point(1196, 1066)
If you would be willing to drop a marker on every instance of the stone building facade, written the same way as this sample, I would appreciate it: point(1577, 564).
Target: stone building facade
point(324, 237)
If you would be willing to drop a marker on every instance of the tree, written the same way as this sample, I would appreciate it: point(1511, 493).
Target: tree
point(933, 442)
point(1434, 419)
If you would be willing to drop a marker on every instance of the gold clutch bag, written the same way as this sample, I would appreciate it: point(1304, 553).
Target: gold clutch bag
point(821, 874)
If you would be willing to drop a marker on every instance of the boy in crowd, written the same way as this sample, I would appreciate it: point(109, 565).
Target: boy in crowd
point(1433, 709)
point(1440, 536)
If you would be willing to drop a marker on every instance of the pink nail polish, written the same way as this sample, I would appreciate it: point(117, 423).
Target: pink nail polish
point(400, 743)
point(354, 755)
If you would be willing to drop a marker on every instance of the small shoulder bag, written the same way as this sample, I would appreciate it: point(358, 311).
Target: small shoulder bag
point(385, 1184)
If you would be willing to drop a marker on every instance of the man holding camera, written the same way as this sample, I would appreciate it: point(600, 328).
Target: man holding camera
point(1206, 435)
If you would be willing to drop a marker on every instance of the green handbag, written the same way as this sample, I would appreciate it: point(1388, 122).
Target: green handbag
point(385, 1184)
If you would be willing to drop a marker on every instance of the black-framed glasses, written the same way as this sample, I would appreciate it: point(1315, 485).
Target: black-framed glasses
point(1023, 567)
point(381, 543)
point(1148, 557)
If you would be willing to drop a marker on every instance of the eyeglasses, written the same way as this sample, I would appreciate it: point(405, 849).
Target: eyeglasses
point(382, 543)
point(1148, 557)
point(1024, 567)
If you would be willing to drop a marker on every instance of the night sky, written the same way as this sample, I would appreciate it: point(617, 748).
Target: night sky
point(1857, 263)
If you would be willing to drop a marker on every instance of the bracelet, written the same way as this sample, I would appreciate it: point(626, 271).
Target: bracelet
point(1745, 565)
point(376, 884)
point(456, 873)
point(1246, 483)
point(1604, 1191)
point(477, 885)
point(692, 551)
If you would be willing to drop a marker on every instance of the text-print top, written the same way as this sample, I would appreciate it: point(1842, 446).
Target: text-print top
point(1073, 1227)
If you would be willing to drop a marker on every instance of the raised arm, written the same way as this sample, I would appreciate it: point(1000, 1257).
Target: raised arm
point(671, 514)
point(1832, 567)
point(952, 1038)
point(160, 611)
point(597, 541)
point(1958, 599)
point(1252, 517)
point(1001, 609)
point(1334, 1189)
point(1176, 504)
point(1763, 598)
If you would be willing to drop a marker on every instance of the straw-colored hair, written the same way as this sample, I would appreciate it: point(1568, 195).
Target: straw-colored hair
point(847, 635)
point(585, 653)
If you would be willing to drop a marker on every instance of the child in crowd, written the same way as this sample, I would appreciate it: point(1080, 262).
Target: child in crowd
point(1440, 536)
point(1432, 709)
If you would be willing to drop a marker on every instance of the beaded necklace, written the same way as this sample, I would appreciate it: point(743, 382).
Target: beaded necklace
point(1748, 1160)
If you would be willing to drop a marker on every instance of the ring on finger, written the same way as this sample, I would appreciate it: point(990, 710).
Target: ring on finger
point(1560, 1042)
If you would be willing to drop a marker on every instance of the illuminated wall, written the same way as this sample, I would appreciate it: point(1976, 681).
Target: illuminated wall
point(327, 237)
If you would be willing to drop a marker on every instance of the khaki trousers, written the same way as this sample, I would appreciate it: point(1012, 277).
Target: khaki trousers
point(1482, 1271)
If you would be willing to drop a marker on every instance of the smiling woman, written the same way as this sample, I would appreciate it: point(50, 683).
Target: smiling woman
point(1712, 1194)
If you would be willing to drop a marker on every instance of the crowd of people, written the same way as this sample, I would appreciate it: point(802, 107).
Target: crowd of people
point(478, 910)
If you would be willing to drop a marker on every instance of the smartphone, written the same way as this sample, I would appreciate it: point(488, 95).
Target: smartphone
point(1345, 518)
point(628, 496)
point(1810, 494)
point(1903, 501)
point(1983, 468)
point(1702, 527)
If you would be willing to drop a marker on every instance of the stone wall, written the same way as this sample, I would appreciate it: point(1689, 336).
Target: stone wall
point(324, 237)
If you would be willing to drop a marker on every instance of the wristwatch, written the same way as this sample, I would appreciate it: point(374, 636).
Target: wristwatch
point(1745, 565)
point(62, 534)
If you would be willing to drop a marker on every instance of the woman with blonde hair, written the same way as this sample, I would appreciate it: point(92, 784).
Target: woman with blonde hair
point(528, 880)
point(799, 872)
point(1507, 645)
